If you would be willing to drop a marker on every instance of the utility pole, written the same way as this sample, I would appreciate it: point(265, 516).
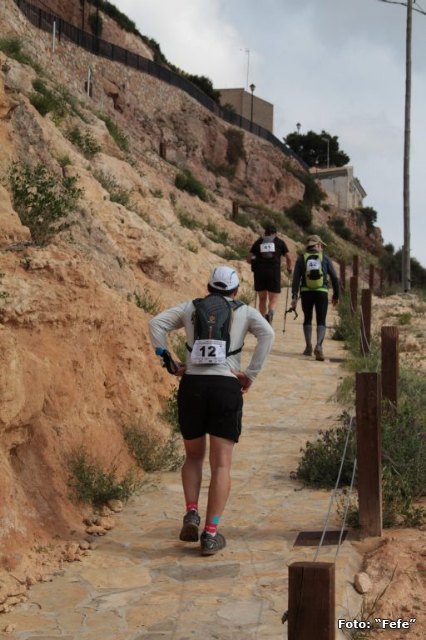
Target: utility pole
point(406, 251)
point(406, 257)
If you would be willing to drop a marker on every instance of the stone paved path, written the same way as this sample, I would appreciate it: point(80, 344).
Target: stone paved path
point(141, 582)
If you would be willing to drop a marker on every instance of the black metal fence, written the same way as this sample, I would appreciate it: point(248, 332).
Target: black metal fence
point(44, 20)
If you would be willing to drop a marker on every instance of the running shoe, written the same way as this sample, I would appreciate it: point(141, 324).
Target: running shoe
point(308, 351)
point(319, 354)
point(189, 531)
point(211, 544)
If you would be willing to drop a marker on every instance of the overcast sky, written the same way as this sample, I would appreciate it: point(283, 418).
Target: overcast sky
point(337, 65)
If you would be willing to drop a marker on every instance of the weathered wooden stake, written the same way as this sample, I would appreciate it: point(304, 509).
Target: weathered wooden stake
point(311, 601)
point(371, 277)
point(163, 150)
point(365, 321)
point(355, 266)
point(368, 423)
point(390, 363)
point(234, 209)
point(342, 266)
point(353, 284)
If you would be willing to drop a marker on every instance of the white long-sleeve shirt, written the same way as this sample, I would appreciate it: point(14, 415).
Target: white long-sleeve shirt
point(246, 320)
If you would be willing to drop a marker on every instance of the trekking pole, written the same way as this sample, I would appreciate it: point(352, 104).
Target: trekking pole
point(286, 303)
point(290, 310)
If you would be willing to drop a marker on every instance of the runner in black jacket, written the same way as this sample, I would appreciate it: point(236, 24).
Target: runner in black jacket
point(265, 257)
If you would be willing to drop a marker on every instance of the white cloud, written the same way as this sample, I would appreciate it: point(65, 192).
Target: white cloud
point(337, 65)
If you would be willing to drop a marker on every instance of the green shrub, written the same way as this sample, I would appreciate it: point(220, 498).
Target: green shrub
point(215, 234)
point(94, 485)
point(42, 200)
point(109, 183)
point(121, 140)
point(339, 226)
point(185, 181)
point(320, 461)
point(405, 318)
point(144, 300)
point(301, 214)
point(85, 142)
point(186, 221)
point(151, 454)
point(404, 433)
point(235, 150)
point(12, 47)
point(46, 101)
point(170, 413)
point(238, 252)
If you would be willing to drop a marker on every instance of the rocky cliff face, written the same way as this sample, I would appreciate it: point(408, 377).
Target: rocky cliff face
point(76, 363)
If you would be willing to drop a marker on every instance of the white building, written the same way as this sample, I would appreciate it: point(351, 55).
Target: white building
point(343, 189)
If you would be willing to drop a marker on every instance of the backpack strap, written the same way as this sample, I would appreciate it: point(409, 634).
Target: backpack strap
point(236, 304)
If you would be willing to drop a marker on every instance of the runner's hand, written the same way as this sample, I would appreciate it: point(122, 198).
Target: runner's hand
point(244, 380)
point(181, 369)
point(293, 304)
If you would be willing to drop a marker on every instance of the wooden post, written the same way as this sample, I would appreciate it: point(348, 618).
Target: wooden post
point(163, 150)
point(311, 601)
point(234, 209)
point(371, 277)
point(342, 266)
point(355, 266)
point(390, 363)
point(353, 284)
point(365, 321)
point(368, 422)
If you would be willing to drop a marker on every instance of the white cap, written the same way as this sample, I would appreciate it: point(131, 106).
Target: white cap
point(224, 279)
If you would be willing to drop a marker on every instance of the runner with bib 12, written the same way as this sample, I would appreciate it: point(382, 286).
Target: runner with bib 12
point(210, 400)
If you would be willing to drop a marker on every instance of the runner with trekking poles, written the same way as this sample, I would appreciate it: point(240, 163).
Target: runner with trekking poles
point(312, 272)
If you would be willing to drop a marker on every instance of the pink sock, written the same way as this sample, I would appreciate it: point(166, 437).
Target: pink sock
point(192, 506)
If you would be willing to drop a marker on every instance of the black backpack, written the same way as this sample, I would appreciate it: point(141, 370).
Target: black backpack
point(212, 321)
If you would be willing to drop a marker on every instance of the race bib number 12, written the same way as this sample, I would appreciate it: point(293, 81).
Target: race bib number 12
point(208, 352)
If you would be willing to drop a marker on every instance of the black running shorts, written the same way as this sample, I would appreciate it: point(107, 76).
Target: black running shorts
point(210, 404)
point(267, 278)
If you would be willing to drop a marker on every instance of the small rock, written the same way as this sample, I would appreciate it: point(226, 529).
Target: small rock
point(30, 581)
point(104, 511)
point(362, 582)
point(96, 530)
point(10, 628)
point(105, 523)
point(421, 566)
point(89, 521)
point(93, 546)
point(84, 545)
point(115, 505)
point(71, 548)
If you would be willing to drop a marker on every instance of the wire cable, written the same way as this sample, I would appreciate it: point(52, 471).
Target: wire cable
point(333, 495)
point(345, 514)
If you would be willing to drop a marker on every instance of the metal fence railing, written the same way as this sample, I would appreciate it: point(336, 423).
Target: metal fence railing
point(44, 20)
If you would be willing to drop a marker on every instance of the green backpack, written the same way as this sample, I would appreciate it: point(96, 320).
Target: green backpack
point(314, 274)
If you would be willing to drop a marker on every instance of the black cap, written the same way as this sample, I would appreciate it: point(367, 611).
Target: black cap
point(269, 228)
